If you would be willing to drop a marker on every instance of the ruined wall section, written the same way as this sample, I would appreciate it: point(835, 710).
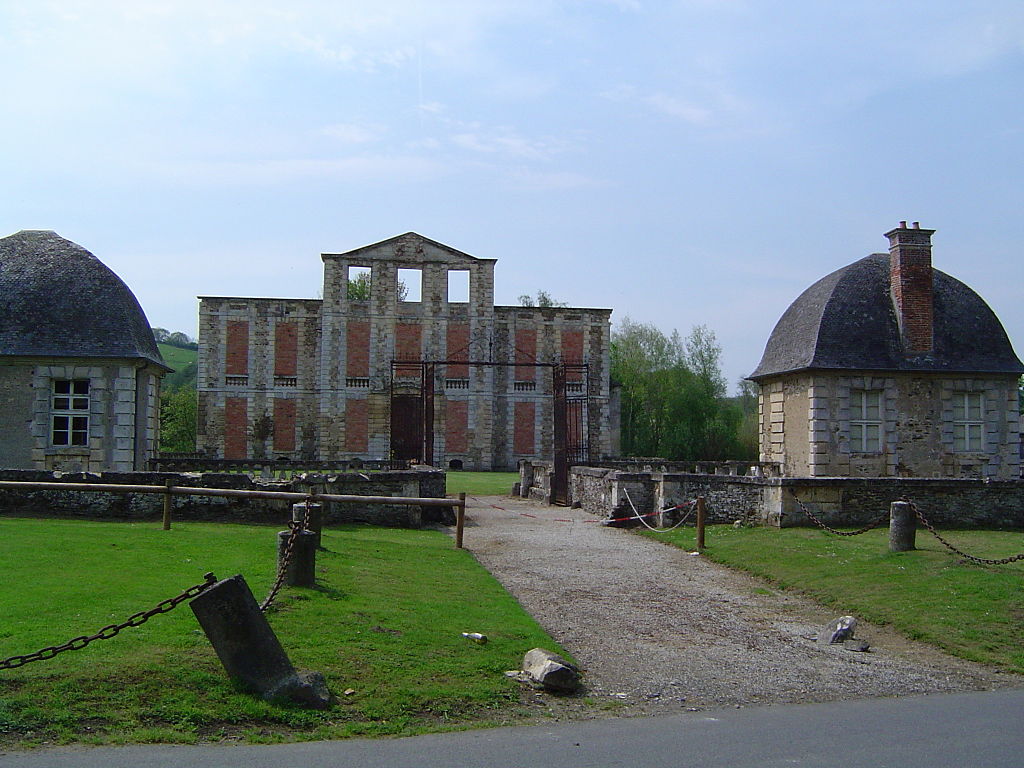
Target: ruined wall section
point(550, 335)
point(257, 372)
point(413, 330)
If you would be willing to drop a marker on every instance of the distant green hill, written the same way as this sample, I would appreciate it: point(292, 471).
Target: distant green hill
point(183, 361)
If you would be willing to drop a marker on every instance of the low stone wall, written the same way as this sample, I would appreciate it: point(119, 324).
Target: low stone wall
point(853, 501)
point(421, 483)
point(838, 501)
point(535, 480)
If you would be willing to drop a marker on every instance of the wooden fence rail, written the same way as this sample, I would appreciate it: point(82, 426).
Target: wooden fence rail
point(184, 490)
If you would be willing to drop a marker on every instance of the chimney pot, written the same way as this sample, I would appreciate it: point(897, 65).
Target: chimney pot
point(903, 225)
point(917, 225)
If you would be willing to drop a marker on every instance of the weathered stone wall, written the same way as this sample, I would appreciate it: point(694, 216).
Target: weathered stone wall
point(839, 501)
point(16, 440)
point(947, 502)
point(420, 483)
point(805, 425)
point(123, 414)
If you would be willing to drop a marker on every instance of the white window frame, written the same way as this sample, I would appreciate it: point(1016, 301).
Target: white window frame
point(866, 420)
point(968, 422)
point(69, 413)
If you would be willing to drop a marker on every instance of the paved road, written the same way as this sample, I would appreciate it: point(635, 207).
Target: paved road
point(964, 730)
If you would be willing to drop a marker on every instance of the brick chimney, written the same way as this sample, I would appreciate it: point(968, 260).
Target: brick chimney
point(910, 280)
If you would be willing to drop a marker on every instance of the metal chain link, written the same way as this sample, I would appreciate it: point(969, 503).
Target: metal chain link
point(931, 528)
point(282, 569)
point(111, 630)
point(873, 524)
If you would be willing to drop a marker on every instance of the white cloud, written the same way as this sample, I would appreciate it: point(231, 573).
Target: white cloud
point(350, 133)
point(553, 179)
point(363, 168)
point(681, 108)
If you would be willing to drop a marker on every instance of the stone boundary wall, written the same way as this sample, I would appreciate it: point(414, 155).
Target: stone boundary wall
point(422, 483)
point(838, 501)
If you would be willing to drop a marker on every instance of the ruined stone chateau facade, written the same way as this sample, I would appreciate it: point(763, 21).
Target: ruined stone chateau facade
point(406, 355)
point(891, 368)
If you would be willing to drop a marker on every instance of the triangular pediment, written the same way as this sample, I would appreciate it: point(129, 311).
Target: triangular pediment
point(411, 248)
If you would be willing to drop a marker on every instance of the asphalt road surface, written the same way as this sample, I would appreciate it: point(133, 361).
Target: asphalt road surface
point(963, 730)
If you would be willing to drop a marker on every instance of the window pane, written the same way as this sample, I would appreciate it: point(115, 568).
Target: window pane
point(80, 404)
point(78, 438)
point(974, 406)
point(857, 405)
point(857, 436)
point(61, 403)
point(62, 387)
point(81, 386)
point(958, 409)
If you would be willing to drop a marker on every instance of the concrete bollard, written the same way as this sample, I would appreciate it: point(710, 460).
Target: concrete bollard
point(316, 518)
point(248, 648)
point(301, 571)
point(902, 527)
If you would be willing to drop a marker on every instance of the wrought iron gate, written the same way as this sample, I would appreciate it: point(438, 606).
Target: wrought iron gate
point(570, 427)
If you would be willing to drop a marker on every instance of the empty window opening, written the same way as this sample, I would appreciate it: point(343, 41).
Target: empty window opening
point(968, 422)
point(410, 285)
point(69, 406)
point(359, 283)
point(455, 464)
point(866, 421)
point(458, 286)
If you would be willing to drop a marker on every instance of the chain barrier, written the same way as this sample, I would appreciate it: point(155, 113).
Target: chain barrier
point(289, 547)
point(111, 630)
point(950, 547)
point(638, 516)
point(824, 526)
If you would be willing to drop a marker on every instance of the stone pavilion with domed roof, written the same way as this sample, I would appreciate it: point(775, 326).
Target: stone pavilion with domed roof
point(890, 368)
point(79, 368)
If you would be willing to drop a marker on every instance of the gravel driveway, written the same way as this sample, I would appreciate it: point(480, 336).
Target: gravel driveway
point(657, 630)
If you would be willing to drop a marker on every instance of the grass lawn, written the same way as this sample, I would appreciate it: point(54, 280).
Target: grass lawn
point(973, 611)
point(384, 621)
point(177, 357)
point(482, 483)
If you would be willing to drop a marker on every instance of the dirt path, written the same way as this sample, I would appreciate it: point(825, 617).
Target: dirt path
point(657, 629)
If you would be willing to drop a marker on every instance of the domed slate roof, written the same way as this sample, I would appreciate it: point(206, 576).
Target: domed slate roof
point(58, 300)
point(847, 320)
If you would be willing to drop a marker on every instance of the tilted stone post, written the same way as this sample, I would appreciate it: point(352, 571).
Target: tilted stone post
point(248, 648)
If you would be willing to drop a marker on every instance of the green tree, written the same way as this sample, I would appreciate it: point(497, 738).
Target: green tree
point(543, 299)
point(178, 418)
point(673, 402)
point(358, 289)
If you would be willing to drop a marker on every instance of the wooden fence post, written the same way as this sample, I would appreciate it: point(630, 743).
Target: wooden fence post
point(168, 500)
point(700, 522)
point(460, 520)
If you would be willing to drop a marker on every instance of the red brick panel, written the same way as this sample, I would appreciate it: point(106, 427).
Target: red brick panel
point(526, 352)
point(456, 426)
point(238, 348)
point(408, 346)
point(357, 345)
point(356, 425)
point(458, 349)
point(286, 343)
point(523, 437)
point(572, 353)
point(284, 424)
point(236, 422)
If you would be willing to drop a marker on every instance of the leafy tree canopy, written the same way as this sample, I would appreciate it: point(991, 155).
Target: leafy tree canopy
point(543, 299)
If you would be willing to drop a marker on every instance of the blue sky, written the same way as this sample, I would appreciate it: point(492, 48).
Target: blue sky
point(683, 163)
